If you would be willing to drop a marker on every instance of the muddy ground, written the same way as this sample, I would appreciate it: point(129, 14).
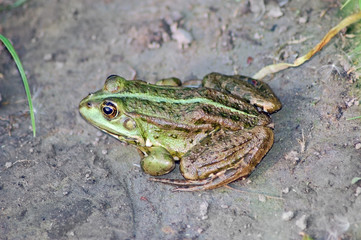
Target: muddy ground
point(74, 182)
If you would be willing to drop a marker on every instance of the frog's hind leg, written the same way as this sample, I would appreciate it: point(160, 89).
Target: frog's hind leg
point(256, 92)
point(221, 158)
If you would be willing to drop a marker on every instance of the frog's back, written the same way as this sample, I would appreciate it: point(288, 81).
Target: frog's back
point(188, 108)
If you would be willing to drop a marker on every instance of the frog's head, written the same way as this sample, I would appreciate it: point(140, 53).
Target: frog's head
point(104, 109)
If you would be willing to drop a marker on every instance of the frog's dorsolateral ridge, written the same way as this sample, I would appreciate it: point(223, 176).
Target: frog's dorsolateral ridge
point(216, 131)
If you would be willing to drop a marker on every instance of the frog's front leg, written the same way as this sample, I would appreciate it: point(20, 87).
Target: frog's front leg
point(158, 161)
point(221, 158)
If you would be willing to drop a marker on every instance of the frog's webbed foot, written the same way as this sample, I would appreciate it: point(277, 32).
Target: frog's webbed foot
point(221, 158)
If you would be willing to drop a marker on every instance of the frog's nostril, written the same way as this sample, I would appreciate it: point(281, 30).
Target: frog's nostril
point(89, 104)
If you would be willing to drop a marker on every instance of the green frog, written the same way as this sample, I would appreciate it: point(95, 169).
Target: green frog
point(218, 132)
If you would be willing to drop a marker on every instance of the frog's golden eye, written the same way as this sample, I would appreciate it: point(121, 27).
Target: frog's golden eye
point(109, 109)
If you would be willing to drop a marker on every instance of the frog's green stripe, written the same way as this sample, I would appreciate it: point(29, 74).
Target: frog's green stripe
point(143, 96)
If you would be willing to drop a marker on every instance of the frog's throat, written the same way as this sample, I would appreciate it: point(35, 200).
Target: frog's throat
point(148, 97)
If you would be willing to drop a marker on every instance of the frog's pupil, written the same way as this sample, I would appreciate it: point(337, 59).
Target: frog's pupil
point(108, 110)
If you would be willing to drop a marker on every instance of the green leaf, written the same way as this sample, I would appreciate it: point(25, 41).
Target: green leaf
point(15, 56)
point(355, 180)
point(306, 237)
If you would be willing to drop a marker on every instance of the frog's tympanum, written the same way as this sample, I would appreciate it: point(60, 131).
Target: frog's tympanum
point(219, 132)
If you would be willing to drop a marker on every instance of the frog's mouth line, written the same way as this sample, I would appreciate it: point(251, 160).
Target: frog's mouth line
point(119, 137)
point(122, 138)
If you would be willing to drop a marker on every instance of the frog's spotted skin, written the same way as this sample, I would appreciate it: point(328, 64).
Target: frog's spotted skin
point(217, 135)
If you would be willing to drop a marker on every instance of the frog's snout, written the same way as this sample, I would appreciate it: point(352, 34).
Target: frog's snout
point(85, 104)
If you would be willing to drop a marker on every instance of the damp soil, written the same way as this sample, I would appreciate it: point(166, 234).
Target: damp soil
point(73, 182)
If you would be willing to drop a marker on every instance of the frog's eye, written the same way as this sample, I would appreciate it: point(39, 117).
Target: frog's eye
point(109, 109)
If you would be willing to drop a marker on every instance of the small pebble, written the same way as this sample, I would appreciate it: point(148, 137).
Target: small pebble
point(257, 36)
point(8, 164)
point(261, 198)
point(59, 65)
point(48, 57)
point(358, 146)
point(302, 222)
point(182, 36)
point(287, 216)
point(286, 190)
point(168, 230)
point(203, 210)
point(274, 10)
point(104, 152)
point(358, 191)
point(303, 20)
point(247, 226)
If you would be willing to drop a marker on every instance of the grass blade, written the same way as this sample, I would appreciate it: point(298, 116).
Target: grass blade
point(18, 3)
point(353, 118)
point(347, 2)
point(15, 56)
point(15, 5)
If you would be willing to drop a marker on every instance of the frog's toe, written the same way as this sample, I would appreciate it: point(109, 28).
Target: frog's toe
point(213, 181)
point(180, 182)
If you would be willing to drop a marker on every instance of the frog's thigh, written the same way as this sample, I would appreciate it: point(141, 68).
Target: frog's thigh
point(227, 155)
point(255, 91)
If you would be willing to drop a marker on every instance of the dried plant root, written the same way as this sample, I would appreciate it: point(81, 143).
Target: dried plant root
point(274, 68)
